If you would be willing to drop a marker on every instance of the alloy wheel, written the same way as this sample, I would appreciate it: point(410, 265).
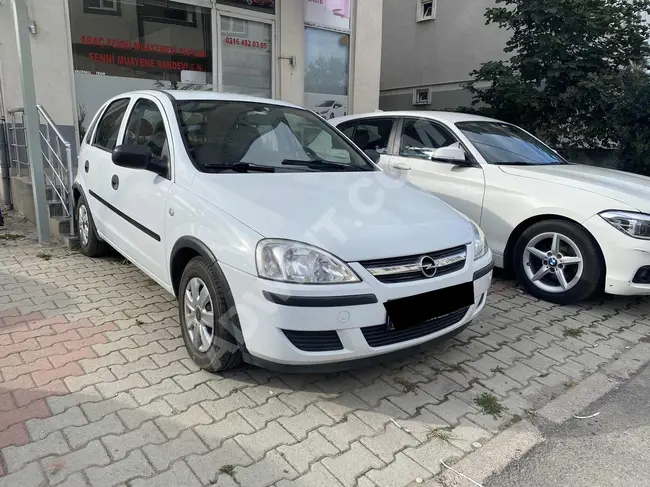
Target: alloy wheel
point(199, 314)
point(84, 225)
point(553, 262)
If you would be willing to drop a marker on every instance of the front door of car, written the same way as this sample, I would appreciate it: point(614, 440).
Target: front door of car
point(139, 197)
point(95, 163)
point(460, 185)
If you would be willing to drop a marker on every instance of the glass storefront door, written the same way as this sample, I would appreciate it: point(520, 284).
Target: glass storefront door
point(245, 55)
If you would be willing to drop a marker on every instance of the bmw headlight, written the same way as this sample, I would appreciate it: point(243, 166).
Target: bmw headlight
point(480, 242)
point(300, 263)
point(636, 225)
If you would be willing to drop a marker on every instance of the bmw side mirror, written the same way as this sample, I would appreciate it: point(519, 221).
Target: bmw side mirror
point(134, 156)
point(373, 154)
point(452, 155)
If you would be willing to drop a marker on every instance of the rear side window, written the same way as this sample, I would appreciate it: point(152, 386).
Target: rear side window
point(347, 128)
point(374, 134)
point(109, 126)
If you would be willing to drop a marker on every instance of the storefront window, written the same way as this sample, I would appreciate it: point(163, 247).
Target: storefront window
point(327, 68)
point(246, 61)
point(124, 45)
point(262, 6)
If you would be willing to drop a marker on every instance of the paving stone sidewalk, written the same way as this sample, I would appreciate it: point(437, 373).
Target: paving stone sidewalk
point(96, 388)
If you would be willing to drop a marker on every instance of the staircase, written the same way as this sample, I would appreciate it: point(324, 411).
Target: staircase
point(58, 171)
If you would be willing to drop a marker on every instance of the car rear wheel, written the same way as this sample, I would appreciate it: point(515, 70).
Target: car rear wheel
point(558, 261)
point(203, 314)
point(89, 242)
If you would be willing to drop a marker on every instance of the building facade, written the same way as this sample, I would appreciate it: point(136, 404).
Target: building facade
point(324, 54)
point(429, 48)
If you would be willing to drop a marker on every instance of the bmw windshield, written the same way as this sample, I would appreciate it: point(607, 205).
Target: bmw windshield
point(242, 136)
point(504, 144)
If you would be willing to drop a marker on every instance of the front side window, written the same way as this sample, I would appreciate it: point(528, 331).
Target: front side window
point(147, 127)
point(421, 137)
point(348, 128)
point(373, 135)
point(222, 135)
point(502, 143)
point(108, 127)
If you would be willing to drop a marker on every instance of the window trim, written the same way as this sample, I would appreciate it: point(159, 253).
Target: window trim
point(421, 17)
point(120, 132)
point(416, 101)
point(116, 12)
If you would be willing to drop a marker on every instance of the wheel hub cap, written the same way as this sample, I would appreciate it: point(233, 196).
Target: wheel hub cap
point(199, 314)
point(553, 262)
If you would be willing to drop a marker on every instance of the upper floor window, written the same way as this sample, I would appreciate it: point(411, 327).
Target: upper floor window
point(107, 7)
point(426, 10)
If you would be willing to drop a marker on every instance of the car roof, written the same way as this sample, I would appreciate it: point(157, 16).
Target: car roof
point(450, 117)
point(211, 95)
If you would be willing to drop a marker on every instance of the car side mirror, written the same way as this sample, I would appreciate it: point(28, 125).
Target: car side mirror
point(453, 155)
point(373, 154)
point(134, 156)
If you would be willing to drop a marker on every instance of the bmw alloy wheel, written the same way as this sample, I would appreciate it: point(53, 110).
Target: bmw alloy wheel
point(553, 262)
point(199, 314)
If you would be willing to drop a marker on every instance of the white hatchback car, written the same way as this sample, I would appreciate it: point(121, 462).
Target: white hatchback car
point(567, 230)
point(282, 241)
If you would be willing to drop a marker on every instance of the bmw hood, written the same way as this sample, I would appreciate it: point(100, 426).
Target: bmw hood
point(627, 188)
point(355, 215)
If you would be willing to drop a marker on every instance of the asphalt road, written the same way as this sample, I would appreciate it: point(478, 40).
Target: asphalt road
point(612, 449)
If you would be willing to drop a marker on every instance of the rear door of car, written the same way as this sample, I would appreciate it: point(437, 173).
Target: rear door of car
point(95, 163)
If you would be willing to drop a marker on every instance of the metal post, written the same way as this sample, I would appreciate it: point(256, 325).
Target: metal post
point(31, 120)
point(5, 165)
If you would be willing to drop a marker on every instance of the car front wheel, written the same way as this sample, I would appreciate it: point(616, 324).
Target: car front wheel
point(558, 261)
point(203, 313)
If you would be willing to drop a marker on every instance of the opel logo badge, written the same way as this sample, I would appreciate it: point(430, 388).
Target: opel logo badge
point(428, 266)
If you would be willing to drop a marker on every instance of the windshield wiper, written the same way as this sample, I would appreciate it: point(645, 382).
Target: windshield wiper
point(321, 164)
point(242, 167)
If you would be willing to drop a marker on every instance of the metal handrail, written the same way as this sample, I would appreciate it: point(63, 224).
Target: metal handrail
point(56, 151)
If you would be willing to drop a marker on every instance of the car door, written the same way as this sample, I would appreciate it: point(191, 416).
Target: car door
point(95, 162)
point(460, 185)
point(375, 134)
point(139, 197)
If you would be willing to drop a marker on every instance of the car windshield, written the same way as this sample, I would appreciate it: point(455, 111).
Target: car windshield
point(326, 104)
point(502, 143)
point(252, 136)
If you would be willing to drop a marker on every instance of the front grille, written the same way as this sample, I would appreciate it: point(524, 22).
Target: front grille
point(406, 269)
point(314, 341)
point(381, 336)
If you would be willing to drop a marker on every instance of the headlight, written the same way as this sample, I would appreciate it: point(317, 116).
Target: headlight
point(299, 263)
point(636, 225)
point(480, 242)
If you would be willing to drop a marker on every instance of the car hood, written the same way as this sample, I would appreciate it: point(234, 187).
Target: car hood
point(356, 215)
point(627, 188)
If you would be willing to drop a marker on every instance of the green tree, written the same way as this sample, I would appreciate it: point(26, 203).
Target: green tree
point(570, 60)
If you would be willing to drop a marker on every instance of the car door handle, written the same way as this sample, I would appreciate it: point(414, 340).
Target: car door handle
point(400, 166)
point(115, 181)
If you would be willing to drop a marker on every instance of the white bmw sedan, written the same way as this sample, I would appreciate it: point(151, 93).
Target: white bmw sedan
point(567, 230)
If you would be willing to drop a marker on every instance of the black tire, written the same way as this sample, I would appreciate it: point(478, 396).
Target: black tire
point(224, 353)
point(94, 246)
point(593, 272)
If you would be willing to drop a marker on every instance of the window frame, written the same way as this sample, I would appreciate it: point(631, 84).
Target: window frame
point(416, 101)
point(421, 10)
point(166, 122)
point(402, 124)
point(102, 10)
point(120, 130)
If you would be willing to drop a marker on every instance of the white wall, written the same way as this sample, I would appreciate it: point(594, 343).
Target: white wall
point(50, 55)
point(366, 55)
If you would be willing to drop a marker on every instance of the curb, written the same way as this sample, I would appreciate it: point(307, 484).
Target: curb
point(514, 442)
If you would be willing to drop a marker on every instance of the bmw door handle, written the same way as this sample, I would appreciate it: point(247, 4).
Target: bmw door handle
point(400, 166)
point(115, 181)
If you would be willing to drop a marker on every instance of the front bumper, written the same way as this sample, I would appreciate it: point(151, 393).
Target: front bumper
point(269, 311)
point(624, 256)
